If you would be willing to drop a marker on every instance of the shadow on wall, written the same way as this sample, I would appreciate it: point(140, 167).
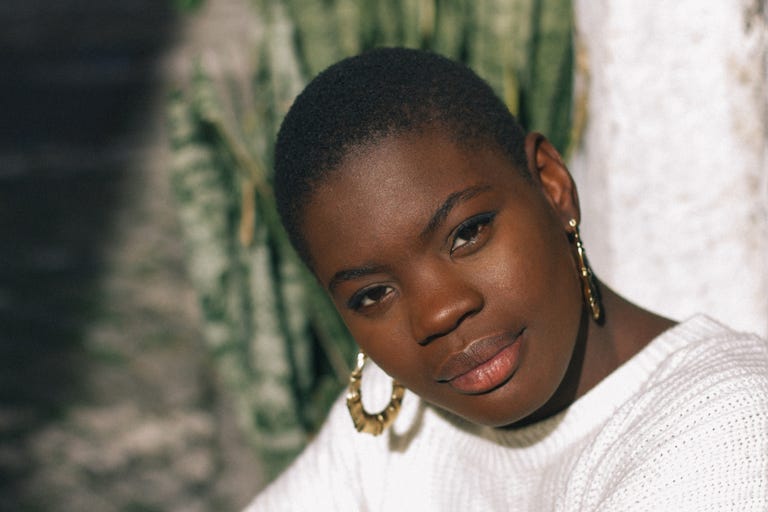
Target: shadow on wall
point(76, 81)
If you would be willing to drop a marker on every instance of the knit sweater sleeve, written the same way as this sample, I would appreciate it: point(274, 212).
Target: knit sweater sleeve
point(709, 452)
point(326, 476)
point(718, 466)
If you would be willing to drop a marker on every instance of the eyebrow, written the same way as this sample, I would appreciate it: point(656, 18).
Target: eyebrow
point(435, 221)
point(449, 204)
point(352, 273)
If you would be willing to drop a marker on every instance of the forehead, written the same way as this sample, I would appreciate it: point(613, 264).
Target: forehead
point(388, 190)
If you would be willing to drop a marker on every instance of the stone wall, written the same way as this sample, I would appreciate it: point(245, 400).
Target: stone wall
point(673, 171)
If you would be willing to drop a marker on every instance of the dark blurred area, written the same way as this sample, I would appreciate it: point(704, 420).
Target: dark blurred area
point(107, 400)
point(76, 79)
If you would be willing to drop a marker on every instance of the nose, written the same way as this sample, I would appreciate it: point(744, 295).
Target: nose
point(440, 302)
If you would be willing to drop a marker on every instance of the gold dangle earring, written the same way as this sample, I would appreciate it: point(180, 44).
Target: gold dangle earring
point(588, 282)
point(373, 424)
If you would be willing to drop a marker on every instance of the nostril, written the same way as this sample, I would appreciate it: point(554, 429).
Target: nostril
point(429, 339)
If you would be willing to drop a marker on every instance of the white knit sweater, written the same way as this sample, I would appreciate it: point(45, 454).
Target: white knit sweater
point(682, 426)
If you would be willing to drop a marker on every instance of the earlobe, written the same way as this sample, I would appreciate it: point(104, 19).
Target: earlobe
point(548, 171)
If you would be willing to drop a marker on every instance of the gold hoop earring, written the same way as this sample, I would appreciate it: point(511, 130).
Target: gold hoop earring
point(588, 282)
point(373, 424)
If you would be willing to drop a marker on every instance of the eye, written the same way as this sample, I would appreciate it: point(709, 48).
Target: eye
point(369, 297)
point(471, 230)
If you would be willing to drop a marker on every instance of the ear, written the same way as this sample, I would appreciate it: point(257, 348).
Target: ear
point(548, 170)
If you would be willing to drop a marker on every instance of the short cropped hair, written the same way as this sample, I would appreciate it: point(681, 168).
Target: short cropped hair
point(362, 99)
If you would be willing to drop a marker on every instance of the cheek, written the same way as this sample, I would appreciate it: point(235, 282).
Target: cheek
point(534, 270)
point(395, 351)
point(550, 295)
point(390, 345)
point(540, 288)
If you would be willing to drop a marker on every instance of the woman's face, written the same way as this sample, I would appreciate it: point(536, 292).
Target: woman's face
point(452, 271)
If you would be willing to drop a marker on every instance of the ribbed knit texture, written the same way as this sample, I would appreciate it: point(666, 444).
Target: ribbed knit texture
point(683, 425)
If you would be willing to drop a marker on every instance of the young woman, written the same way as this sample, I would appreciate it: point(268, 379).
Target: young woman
point(448, 240)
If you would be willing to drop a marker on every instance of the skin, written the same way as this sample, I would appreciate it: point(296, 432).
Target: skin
point(427, 246)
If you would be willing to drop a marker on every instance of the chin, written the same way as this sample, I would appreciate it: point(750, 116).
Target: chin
point(490, 420)
point(508, 421)
point(495, 412)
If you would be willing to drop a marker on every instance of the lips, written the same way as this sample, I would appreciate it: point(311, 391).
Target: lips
point(483, 365)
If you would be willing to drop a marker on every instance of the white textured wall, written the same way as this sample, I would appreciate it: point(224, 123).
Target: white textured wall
point(673, 167)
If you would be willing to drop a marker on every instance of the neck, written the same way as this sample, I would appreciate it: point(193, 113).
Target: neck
point(602, 348)
point(626, 329)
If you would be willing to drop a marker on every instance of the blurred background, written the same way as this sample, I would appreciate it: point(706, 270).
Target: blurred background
point(108, 399)
point(161, 349)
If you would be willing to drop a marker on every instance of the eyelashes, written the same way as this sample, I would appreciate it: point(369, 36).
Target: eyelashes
point(471, 232)
point(368, 297)
point(469, 236)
